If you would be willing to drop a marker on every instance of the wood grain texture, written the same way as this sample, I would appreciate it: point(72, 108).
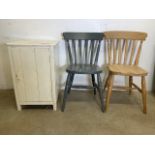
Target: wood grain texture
point(109, 91)
point(125, 35)
point(127, 70)
point(144, 94)
point(138, 53)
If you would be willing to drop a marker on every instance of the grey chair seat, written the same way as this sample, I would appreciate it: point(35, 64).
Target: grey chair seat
point(84, 69)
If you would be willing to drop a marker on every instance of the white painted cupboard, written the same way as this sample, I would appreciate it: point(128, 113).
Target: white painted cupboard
point(34, 66)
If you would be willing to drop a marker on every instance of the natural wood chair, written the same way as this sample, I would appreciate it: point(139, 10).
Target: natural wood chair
point(123, 50)
point(83, 50)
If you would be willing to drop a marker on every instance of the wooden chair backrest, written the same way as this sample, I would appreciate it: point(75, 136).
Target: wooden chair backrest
point(123, 47)
point(83, 48)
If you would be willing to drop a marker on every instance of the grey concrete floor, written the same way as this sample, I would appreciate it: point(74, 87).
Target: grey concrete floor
point(82, 116)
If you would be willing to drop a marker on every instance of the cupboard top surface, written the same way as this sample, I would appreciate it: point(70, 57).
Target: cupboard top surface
point(32, 43)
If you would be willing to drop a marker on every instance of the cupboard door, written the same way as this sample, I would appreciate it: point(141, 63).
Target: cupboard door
point(44, 73)
point(29, 73)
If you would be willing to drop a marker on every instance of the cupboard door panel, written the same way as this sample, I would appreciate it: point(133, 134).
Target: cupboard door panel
point(15, 54)
point(30, 74)
point(44, 73)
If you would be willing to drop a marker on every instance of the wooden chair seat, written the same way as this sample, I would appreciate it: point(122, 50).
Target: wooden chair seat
point(128, 70)
point(84, 69)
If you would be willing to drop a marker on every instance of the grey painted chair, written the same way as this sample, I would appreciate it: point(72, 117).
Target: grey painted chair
point(83, 50)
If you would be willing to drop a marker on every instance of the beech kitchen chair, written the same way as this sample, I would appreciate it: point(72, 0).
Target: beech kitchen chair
point(123, 50)
point(83, 50)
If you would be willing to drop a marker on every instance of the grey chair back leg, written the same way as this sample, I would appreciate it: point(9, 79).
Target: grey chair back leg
point(93, 82)
point(71, 82)
point(67, 87)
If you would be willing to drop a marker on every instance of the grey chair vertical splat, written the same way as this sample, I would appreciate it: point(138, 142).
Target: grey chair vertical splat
point(83, 50)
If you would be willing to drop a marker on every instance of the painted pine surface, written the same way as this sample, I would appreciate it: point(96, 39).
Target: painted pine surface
point(33, 72)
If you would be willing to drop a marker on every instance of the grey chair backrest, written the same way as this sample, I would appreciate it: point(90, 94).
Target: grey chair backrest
point(83, 48)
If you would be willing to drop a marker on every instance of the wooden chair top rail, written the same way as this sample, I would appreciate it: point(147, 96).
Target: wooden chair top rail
point(131, 35)
point(82, 36)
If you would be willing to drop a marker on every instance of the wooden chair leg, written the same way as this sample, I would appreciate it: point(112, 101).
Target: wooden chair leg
point(100, 90)
point(109, 84)
point(106, 82)
point(144, 94)
point(93, 82)
point(130, 84)
point(66, 92)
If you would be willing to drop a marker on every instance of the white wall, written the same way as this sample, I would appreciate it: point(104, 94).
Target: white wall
point(52, 29)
